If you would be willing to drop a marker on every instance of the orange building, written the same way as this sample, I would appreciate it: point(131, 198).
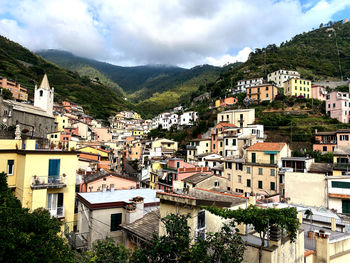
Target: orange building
point(18, 92)
point(264, 92)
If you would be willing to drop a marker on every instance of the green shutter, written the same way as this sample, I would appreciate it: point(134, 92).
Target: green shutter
point(248, 182)
point(272, 186)
point(54, 168)
point(260, 184)
point(253, 157)
point(345, 206)
point(337, 184)
point(272, 159)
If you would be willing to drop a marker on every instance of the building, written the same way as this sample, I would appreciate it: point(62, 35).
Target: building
point(282, 75)
point(318, 92)
point(197, 147)
point(37, 120)
point(188, 118)
point(165, 147)
point(41, 178)
point(240, 118)
point(341, 161)
point(18, 92)
point(242, 85)
point(226, 102)
point(297, 87)
point(337, 106)
point(264, 92)
point(203, 181)
point(327, 141)
point(100, 214)
point(258, 171)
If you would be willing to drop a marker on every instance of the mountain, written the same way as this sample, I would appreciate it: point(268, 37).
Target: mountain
point(153, 88)
point(130, 79)
point(314, 54)
point(25, 67)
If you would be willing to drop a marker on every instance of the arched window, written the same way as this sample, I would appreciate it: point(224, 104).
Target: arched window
point(41, 93)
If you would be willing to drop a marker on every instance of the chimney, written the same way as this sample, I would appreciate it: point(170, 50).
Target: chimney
point(333, 224)
point(134, 210)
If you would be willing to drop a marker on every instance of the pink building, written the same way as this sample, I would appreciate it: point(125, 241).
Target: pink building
point(102, 134)
point(318, 92)
point(327, 141)
point(101, 180)
point(177, 170)
point(337, 105)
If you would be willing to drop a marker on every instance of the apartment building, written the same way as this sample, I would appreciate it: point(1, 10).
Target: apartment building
point(297, 87)
point(240, 118)
point(242, 85)
point(318, 92)
point(257, 171)
point(197, 147)
point(327, 141)
point(18, 92)
point(282, 75)
point(338, 106)
point(40, 177)
point(264, 92)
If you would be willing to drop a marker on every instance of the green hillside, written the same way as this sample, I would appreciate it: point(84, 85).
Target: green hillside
point(153, 88)
point(20, 64)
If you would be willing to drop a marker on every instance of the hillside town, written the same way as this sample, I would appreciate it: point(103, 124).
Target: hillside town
point(108, 178)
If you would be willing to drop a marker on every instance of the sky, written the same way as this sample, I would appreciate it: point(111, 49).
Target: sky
point(173, 32)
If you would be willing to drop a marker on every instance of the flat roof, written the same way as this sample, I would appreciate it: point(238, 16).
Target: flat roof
point(94, 198)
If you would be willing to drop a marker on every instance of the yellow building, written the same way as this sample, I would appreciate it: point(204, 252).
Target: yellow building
point(136, 116)
point(95, 150)
point(62, 122)
point(257, 172)
point(297, 87)
point(240, 118)
point(165, 144)
point(40, 178)
point(341, 161)
point(137, 132)
point(54, 138)
point(155, 171)
point(197, 147)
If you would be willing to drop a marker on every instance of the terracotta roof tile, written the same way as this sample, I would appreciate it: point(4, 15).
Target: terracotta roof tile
point(226, 124)
point(267, 146)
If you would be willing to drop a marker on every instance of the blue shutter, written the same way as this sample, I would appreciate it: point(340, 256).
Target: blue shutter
point(54, 168)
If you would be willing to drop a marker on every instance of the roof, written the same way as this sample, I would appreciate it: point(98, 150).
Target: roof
point(325, 133)
point(45, 83)
point(117, 198)
point(197, 178)
point(226, 124)
point(219, 167)
point(267, 146)
point(23, 107)
point(321, 168)
point(101, 174)
point(146, 226)
point(341, 150)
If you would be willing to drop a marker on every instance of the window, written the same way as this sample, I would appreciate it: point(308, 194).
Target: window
point(226, 142)
point(239, 179)
point(55, 204)
point(333, 105)
point(267, 95)
point(260, 171)
point(248, 170)
point(177, 164)
point(248, 182)
point(337, 184)
point(54, 168)
point(272, 159)
point(272, 186)
point(201, 225)
point(324, 148)
point(345, 206)
point(216, 184)
point(344, 137)
point(260, 184)
point(116, 220)
point(10, 167)
point(253, 157)
point(220, 144)
point(272, 172)
point(234, 142)
point(41, 93)
point(229, 176)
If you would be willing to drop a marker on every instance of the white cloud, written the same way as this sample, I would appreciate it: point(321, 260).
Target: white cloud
point(156, 31)
point(241, 56)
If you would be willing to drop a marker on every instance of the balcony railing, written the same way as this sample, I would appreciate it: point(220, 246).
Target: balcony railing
point(342, 166)
point(42, 182)
point(56, 212)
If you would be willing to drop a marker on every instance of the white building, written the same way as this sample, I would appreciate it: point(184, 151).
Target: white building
point(188, 118)
point(242, 85)
point(43, 96)
point(281, 76)
point(167, 120)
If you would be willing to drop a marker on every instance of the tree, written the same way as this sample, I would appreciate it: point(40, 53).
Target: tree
point(7, 95)
point(262, 219)
point(28, 237)
point(106, 251)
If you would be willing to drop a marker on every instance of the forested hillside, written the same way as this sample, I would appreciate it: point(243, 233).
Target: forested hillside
point(25, 67)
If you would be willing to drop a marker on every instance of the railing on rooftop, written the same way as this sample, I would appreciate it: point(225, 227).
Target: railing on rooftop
point(42, 182)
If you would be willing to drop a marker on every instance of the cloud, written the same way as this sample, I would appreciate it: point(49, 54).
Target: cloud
point(161, 32)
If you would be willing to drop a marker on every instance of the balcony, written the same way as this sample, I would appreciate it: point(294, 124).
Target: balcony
point(191, 147)
point(45, 182)
point(342, 166)
point(57, 212)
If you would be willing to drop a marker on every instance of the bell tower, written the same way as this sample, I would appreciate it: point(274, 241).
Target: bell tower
point(43, 96)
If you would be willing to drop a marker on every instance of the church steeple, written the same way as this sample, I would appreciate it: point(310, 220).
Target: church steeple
point(43, 96)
